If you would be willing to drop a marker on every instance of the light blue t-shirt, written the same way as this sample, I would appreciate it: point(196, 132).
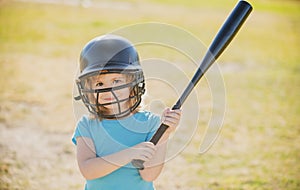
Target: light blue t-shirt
point(111, 136)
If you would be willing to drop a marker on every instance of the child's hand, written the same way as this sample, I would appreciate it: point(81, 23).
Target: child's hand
point(143, 151)
point(171, 118)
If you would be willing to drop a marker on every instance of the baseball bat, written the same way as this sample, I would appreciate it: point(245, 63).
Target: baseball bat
point(227, 32)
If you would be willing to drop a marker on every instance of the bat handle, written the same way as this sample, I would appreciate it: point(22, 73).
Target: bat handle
point(139, 164)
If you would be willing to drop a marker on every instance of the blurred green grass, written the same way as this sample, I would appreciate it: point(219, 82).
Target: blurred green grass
point(259, 145)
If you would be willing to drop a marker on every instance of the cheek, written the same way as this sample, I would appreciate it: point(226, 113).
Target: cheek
point(124, 93)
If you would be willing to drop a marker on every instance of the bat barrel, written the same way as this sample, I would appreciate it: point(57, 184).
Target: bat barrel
point(225, 35)
point(230, 28)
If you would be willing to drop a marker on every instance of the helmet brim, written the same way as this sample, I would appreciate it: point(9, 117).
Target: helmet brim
point(109, 68)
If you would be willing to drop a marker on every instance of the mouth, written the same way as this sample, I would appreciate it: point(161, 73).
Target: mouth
point(108, 99)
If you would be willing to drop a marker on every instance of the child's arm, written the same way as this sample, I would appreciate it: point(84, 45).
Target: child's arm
point(154, 166)
point(92, 167)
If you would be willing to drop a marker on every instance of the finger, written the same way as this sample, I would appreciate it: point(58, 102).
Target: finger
point(149, 145)
point(167, 115)
point(152, 149)
point(172, 118)
point(149, 154)
point(174, 113)
point(144, 145)
point(144, 158)
point(171, 122)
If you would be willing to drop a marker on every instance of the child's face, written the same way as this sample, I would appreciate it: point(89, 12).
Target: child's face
point(109, 81)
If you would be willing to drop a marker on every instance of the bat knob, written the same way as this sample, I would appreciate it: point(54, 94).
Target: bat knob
point(139, 164)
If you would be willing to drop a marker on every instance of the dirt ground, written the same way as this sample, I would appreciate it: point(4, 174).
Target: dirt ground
point(36, 150)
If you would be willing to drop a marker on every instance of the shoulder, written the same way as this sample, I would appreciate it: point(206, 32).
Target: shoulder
point(83, 119)
point(86, 121)
point(84, 128)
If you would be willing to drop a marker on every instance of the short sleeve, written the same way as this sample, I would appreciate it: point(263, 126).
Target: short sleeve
point(82, 129)
point(155, 123)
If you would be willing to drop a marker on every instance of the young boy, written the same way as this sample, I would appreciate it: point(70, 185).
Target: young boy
point(111, 84)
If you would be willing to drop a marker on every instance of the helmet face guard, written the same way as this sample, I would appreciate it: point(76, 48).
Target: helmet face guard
point(104, 55)
point(90, 96)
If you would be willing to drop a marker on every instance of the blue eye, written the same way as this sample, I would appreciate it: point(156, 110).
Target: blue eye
point(118, 81)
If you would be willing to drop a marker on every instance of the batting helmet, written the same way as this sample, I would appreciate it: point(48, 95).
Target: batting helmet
point(110, 54)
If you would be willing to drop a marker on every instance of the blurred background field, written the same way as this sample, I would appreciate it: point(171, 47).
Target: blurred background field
point(258, 146)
